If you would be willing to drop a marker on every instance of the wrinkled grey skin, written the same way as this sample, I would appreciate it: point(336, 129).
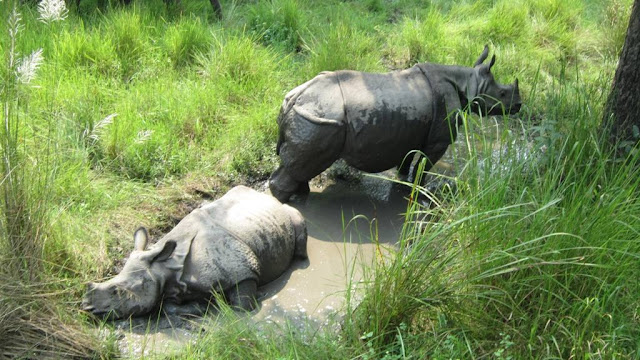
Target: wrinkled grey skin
point(373, 120)
point(232, 245)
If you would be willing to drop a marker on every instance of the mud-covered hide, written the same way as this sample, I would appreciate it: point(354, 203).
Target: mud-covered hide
point(379, 114)
point(232, 245)
point(375, 120)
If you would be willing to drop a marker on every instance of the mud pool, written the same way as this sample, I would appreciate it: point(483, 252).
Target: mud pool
point(342, 212)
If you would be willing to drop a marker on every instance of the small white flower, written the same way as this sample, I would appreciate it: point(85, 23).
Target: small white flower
point(28, 66)
point(143, 136)
point(52, 10)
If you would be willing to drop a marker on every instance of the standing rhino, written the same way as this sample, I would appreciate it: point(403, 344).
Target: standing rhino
point(373, 120)
point(231, 246)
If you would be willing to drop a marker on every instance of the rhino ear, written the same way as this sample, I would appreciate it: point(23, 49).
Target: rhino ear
point(166, 251)
point(493, 61)
point(140, 239)
point(157, 253)
point(483, 56)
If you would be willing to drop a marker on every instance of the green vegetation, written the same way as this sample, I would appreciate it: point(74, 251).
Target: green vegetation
point(136, 109)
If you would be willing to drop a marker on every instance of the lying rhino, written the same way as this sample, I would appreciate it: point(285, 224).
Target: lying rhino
point(373, 120)
point(232, 246)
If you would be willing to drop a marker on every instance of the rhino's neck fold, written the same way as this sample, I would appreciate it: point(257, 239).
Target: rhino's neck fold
point(172, 269)
point(448, 78)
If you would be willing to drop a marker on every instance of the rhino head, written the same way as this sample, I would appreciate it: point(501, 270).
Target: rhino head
point(137, 289)
point(491, 97)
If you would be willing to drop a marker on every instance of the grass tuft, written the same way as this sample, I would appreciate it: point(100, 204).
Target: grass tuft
point(185, 40)
point(343, 47)
point(278, 23)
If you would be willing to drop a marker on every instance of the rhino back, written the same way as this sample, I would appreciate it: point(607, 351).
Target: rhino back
point(387, 116)
point(256, 225)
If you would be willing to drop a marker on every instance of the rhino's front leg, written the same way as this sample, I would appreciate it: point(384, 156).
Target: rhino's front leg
point(193, 308)
point(243, 295)
point(405, 166)
point(432, 154)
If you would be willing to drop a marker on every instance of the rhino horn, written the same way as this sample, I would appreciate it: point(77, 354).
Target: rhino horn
point(483, 56)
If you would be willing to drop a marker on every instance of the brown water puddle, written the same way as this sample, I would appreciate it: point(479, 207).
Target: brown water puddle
point(350, 224)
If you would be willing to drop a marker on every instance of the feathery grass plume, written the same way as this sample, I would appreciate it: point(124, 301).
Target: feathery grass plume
point(143, 136)
point(28, 66)
point(31, 322)
point(14, 29)
point(52, 10)
point(94, 134)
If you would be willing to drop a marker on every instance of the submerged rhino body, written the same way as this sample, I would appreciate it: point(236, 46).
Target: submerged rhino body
point(231, 246)
point(373, 121)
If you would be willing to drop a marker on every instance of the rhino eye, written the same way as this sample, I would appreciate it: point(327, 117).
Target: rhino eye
point(502, 93)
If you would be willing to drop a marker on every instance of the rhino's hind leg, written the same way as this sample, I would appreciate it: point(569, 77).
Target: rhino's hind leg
point(301, 244)
point(307, 149)
point(405, 166)
point(243, 295)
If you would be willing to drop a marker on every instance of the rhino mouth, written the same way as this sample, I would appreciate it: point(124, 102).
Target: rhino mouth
point(95, 312)
point(515, 108)
point(98, 313)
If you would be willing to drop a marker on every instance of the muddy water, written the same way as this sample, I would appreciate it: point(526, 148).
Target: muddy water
point(350, 224)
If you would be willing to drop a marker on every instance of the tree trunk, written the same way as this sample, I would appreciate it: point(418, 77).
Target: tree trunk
point(622, 110)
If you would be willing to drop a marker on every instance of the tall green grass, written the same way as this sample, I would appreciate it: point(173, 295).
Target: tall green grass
point(534, 257)
point(277, 23)
point(32, 322)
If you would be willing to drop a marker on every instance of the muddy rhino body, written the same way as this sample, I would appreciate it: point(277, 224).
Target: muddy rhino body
point(232, 245)
point(373, 121)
